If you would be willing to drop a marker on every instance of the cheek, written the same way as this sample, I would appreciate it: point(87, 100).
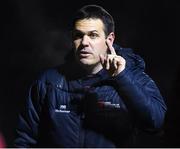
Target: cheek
point(76, 43)
point(102, 46)
point(102, 49)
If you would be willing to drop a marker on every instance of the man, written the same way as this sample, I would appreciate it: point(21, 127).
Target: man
point(99, 97)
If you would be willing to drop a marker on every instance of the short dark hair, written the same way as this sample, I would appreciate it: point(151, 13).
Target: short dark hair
point(96, 12)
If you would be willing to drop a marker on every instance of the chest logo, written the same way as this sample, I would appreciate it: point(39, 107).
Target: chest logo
point(62, 109)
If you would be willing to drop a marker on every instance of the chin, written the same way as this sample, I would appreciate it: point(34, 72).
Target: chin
point(86, 62)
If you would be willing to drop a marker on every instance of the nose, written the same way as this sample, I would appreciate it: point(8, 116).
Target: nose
point(85, 40)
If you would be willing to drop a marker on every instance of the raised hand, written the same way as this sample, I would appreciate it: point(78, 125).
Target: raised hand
point(112, 62)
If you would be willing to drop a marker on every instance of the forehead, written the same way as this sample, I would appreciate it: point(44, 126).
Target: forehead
point(89, 24)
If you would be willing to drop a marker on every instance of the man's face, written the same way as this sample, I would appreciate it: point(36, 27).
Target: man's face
point(89, 41)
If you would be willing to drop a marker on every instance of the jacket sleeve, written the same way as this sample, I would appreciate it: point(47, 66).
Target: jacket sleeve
point(27, 127)
point(142, 98)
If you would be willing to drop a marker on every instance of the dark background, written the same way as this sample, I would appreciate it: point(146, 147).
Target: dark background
point(35, 37)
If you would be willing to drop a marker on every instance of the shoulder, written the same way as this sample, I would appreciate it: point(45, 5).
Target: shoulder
point(53, 76)
point(135, 66)
point(133, 60)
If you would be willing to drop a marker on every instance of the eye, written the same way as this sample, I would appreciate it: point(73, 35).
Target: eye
point(93, 35)
point(77, 35)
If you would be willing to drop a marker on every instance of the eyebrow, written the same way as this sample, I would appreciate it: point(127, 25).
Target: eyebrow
point(85, 32)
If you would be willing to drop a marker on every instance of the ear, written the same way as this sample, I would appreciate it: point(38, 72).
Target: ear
point(111, 37)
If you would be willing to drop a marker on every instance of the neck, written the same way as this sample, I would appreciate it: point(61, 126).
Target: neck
point(93, 69)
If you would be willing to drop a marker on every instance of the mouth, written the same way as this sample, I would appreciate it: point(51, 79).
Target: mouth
point(84, 54)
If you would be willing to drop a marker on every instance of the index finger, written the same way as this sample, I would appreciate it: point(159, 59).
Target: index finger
point(110, 47)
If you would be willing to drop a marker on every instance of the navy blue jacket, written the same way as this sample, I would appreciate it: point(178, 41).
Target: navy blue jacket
point(68, 108)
